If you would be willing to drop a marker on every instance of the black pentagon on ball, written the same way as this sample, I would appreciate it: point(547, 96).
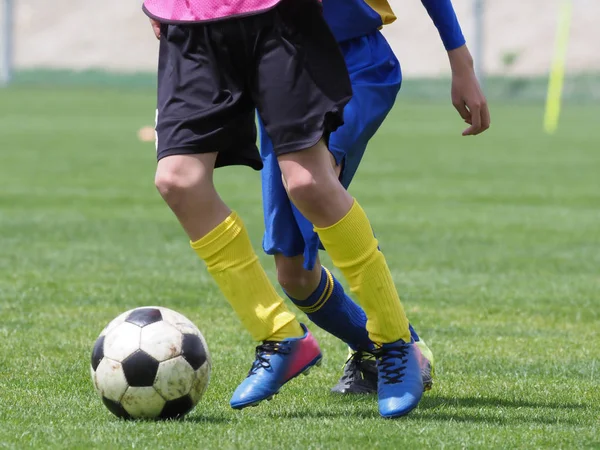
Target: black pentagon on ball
point(177, 408)
point(140, 369)
point(193, 351)
point(144, 316)
point(98, 352)
point(116, 408)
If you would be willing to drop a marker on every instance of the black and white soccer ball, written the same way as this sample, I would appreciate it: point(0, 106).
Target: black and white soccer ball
point(150, 362)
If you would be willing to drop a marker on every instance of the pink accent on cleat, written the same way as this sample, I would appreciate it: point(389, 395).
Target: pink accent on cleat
point(307, 354)
point(276, 363)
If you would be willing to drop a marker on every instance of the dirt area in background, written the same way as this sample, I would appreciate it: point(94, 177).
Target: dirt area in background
point(115, 35)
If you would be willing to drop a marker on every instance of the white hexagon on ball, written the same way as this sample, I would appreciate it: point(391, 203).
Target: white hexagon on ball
point(143, 402)
point(201, 379)
point(109, 379)
point(161, 340)
point(174, 379)
point(122, 341)
point(115, 323)
point(179, 321)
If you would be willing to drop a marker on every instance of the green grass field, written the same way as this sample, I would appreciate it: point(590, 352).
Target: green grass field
point(494, 243)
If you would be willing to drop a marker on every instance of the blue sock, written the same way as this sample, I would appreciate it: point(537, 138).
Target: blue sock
point(331, 309)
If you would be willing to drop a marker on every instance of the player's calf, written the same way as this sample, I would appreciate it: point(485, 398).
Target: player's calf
point(296, 281)
point(331, 309)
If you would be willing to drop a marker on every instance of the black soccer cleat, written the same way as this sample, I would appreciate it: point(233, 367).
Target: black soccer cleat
point(360, 375)
point(360, 371)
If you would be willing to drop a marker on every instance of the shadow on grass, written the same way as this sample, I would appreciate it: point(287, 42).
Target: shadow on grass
point(327, 414)
point(498, 411)
point(491, 410)
point(478, 402)
point(489, 417)
point(202, 418)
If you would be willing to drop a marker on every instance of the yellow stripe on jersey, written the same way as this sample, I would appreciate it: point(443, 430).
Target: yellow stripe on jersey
point(383, 8)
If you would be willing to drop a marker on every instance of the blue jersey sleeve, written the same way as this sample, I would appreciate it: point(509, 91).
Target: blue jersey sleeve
point(444, 18)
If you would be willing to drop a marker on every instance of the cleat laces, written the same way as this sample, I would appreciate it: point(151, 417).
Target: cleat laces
point(390, 372)
point(262, 361)
point(352, 367)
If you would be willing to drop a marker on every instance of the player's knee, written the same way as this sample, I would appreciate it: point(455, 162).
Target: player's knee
point(309, 175)
point(175, 181)
point(171, 184)
point(303, 187)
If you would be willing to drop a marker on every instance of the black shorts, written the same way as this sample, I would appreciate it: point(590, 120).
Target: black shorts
point(285, 63)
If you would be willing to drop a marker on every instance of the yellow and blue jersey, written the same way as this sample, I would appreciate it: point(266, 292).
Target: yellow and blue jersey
point(353, 18)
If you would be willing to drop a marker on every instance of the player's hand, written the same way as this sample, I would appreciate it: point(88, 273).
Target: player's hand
point(155, 27)
point(467, 96)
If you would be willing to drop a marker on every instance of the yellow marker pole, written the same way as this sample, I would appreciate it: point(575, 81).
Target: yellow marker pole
point(557, 72)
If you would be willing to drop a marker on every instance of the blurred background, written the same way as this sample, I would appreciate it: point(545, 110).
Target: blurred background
point(70, 41)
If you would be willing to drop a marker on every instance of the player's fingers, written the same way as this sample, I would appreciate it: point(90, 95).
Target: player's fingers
point(460, 106)
point(475, 127)
point(485, 117)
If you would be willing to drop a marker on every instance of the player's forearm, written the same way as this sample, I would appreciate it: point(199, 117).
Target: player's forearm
point(444, 18)
point(461, 60)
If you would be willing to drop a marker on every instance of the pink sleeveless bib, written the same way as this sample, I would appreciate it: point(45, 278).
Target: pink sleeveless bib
point(203, 10)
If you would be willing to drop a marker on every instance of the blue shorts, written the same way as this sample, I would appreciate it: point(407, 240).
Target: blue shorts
point(376, 78)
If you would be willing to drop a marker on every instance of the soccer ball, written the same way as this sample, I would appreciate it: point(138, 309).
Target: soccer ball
point(150, 362)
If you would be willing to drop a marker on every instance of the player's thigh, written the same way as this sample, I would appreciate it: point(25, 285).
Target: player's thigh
point(301, 84)
point(185, 171)
point(203, 105)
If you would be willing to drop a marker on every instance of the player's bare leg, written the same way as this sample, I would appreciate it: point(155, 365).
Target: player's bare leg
point(220, 239)
point(185, 182)
point(295, 280)
point(346, 233)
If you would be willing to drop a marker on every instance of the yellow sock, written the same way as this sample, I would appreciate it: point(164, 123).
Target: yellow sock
point(354, 250)
point(231, 261)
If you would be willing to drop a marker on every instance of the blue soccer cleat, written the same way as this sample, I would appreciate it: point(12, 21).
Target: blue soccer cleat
point(400, 383)
point(360, 370)
point(276, 363)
